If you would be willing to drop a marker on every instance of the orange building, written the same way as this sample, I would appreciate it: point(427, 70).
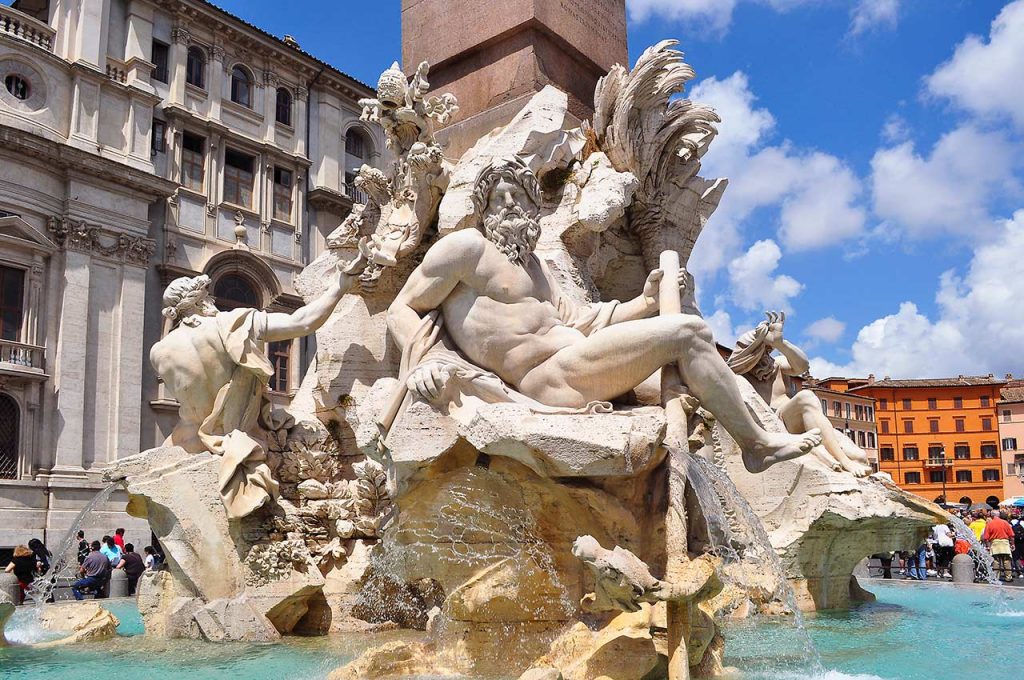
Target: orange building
point(938, 437)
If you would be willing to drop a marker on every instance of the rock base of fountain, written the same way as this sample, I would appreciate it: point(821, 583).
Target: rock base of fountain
point(6, 611)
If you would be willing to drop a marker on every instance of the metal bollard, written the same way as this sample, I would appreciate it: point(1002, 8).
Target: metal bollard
point(118, 584)
point(9, 585)
point(963, 569)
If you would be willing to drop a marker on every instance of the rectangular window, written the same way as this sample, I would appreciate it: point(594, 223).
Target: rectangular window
point(990, 475)
point(908, 426)
point(824, 406)
point(909, 453)
point(962, 452)
point(989, 451)
point(158, 140)
point(1011, 469)
point(837, 409)
point(885, 426)
point(886, 453)
point(964, 476)
point(282, 194)
point(985, 401)
point(933, 425)
point(936, 476)
point(847, 411)
point(871, 413)
point(883, 404)
point(12, 299)
point(960, 427)
point(858, 412)
point(871, 440)
point(986, 424)
point(936, 452)
point(279, 354)
point(161, 57)
point(1010, 444)
point(238, 174)
point(933, 403)
point(958, 402)
point(912, 478)
point(906, 404)
point(193, 161)
point(1006, 415)
point(861, 439)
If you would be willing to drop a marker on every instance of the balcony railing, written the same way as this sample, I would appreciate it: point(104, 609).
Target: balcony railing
point(23, 27)
point(20, 354)
point(357, 195)
point(938, 462)
point(117, 70)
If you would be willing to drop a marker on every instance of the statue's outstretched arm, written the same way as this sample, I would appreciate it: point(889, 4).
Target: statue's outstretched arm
point(311, 316)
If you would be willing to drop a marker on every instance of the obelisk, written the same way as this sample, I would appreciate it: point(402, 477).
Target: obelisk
point(494, 54)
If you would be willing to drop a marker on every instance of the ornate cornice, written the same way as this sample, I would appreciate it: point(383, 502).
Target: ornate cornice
point(180, 34)
point(94, 240)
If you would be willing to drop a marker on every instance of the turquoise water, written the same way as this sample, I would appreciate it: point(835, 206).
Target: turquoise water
point(914, 631)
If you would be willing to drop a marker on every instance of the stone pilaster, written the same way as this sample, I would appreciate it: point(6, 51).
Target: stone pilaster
point(69, 373)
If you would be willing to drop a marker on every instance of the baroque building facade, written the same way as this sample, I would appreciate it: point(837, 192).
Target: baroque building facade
point(852, 414)
point(142, 140)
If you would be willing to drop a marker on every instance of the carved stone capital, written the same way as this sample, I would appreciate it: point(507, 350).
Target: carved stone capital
point(180, 34)
point(301, 94)
point(217, 53)
point(94, 240)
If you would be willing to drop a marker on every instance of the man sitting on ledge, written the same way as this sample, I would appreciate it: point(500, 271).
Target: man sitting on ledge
point(505, 312)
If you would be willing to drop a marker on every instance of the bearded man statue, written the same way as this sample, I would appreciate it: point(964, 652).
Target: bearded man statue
point(215, 364)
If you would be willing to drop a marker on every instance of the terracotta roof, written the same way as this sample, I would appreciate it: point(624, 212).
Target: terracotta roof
point(285, 45)
point(1014, 391)
point(959, 381)
point(816, 388)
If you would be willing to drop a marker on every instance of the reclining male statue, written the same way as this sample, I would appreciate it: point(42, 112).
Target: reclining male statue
point(503, 310)
point(772, 378)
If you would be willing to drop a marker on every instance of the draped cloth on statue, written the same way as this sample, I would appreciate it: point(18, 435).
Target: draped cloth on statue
point(233, 428)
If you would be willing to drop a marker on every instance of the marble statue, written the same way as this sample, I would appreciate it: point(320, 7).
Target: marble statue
point(772, 377)
point(402, 203)
point(214, 363)
point(503, 311)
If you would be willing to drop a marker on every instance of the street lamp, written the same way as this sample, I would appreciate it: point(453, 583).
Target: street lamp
point(942, 454)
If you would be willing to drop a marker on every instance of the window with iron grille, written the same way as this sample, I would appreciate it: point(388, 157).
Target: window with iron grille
point(12, 298)
point(279, 353)
point(10, 418)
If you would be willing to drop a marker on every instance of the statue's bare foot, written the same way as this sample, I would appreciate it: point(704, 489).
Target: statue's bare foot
point(776, 447)
point(857, 469)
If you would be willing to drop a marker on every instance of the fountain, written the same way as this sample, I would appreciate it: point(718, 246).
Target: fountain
point(492, 453)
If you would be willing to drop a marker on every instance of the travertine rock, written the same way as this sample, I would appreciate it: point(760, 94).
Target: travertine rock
point(6, 611)
point(624, 648)
point(81, 621)
point(604, 194)
point(394, 659)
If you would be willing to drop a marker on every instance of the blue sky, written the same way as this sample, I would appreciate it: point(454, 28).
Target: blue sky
point(874, 152)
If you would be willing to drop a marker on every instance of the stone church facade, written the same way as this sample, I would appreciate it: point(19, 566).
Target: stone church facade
point(142, 140)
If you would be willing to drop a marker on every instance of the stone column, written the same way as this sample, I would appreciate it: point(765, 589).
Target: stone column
point(214, 181)
point(131, 353)
point(299, 119)
point(270, 107)
point(215, 80)
point(69, 371)
point(180, 39)
point(91, 33)
point(139, 42)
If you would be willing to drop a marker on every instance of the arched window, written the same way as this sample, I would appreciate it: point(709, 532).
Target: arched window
point(10, 418)
point(966, 500)
point(232, 291)
point(284, 106)
point(195, 68)
point(241, 86)
point(355, 144)
point(993, 501)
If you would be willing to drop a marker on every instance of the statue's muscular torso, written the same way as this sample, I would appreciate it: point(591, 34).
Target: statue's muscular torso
point(502, 316)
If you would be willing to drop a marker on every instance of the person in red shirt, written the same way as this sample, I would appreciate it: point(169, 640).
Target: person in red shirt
point(998, 537)
point(119, 539)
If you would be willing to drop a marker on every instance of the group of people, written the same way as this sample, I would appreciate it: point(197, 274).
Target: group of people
point(1000, 532)
point(96, 563)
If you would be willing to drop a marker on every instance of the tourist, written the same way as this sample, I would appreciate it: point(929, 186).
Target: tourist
point(998, 538)
point(885, 559)
point(119, 538)
point(83, 547)
point(978, 525)
point(943, 537)
point(111, 551)
point(1018, 543)
point(150, 560)
point(24, 566)
point(133, 566)
point(42, 555)
point(95, 571)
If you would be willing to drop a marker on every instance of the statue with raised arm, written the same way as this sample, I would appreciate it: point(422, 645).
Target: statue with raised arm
point(215, 364)
point(772, 378)
point(503, 311)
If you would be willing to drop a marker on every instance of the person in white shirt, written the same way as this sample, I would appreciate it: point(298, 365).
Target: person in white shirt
point(150, 560)
point(943, 537)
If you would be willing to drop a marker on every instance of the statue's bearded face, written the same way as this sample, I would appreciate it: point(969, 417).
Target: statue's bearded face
point(508, 224)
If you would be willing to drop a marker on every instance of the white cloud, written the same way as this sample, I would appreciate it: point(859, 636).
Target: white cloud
point(755, 285)
point(869, 15)
point(948, 190)
point(721, 327)
point(821, 209)
point(716, 15)
point(828, 329)
point(896, 129)
point(988, 78)
point(979, 326)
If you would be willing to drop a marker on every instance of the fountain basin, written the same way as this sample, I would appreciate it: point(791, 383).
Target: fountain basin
point(907, 633)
